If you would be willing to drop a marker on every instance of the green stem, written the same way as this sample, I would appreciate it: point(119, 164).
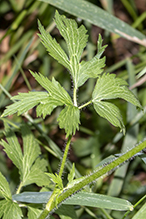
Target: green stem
point(101, 172)
point(106, 214)
point(65, 155)
point(19, 188)
point(50, 204)
point(86, 104)
point(75, 97)
point(134, 206)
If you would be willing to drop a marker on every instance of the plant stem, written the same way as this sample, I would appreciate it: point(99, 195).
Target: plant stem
point(134, 206)
point(65, 155)
point(86, 104)
point(106, 214)
point(75, 97)
point(101, 172)
point(19, 188)
point(51, 202)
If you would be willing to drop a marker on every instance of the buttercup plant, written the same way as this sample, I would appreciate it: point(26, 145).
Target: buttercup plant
point(107, 87)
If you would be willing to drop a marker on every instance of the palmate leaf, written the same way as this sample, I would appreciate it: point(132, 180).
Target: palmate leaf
point(110, 87)
point(31, 167)
point(10, 209)
point(69, 119)
point(46, 102)
point(26, 101)
point(76, 40)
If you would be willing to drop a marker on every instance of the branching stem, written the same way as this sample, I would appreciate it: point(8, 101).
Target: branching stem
point(86, 104)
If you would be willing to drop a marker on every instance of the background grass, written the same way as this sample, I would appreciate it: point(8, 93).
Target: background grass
point(20, 50)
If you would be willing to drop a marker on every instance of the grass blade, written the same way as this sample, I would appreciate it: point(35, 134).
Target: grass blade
point(95, 15)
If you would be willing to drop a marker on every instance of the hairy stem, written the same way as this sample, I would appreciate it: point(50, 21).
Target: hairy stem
point(86, 104)
point(75, 97)
point(101, 172)
point(65, 155)
point(51, 202)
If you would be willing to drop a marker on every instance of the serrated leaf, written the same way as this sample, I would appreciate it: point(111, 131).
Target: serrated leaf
point(75, 37)
point(100, 48)
point(69, 119)
point(90, 69)
point(56, 92)
point(31, 167)
point(110, 87)
point(76, 40)
point(37, 173)
point(25, 101)
point(46, 102)
point(53, 47)
point(4, 188)
point(9, 209)
point(12, 147)
point(110, 112)
point(94, 67)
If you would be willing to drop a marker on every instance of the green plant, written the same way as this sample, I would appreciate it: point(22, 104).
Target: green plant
point(32, 168)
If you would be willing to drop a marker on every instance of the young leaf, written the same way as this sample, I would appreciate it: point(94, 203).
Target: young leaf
point(92, 68)
point(4, 188)
point(26, 101)
point(110, 87)
point(69, 119)
point(56, 180)
point(53, 47)
point(10, 209)
point(71, 175)
point(100, 48)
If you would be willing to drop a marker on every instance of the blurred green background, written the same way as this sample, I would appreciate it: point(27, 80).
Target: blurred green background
point(21, 50)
